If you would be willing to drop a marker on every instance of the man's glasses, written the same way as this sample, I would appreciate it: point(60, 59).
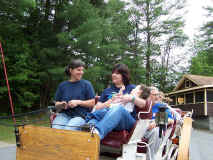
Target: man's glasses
point(155, 94)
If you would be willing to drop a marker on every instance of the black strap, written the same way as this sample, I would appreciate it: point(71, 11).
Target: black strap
point(28, 113)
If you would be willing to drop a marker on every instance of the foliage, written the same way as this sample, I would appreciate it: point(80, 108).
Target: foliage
point(201, 63)
point(40, 38)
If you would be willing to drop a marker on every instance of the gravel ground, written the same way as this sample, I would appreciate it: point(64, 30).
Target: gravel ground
point(201, 145)
point(200, 148)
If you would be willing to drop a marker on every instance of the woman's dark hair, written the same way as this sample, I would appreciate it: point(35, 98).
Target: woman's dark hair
point(145, 91)
point(74, 64)
point(124, 71)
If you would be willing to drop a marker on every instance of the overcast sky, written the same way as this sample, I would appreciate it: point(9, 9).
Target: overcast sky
point(196, 15)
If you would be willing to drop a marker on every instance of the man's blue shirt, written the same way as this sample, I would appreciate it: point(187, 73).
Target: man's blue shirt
point(155, 109)
point(80, 90)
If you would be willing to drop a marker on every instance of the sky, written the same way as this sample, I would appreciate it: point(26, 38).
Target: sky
point(195, 16)
point(194, 19)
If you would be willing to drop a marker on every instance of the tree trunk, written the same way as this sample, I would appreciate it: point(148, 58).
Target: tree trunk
point(148, 43)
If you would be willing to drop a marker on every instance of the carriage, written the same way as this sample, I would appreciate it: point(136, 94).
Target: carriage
point(49, 143)
point(35, 142)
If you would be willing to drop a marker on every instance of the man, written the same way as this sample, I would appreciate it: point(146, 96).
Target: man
point(152, 134)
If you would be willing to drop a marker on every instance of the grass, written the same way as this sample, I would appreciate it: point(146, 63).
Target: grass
point(7, 132)
point(7, 129)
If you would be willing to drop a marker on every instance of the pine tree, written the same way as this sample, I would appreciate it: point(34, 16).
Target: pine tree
point(201, 63)
point(160, 31)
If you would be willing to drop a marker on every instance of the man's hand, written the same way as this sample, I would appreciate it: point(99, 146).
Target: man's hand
point(152, 125)
point(170, 121)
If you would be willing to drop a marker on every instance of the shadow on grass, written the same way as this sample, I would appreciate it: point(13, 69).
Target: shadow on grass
point(7, 132)
point(7, 126)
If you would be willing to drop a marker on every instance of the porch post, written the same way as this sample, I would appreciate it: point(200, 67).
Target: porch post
point(194, 97)
point(184, 98)
point(211, 123)
point(205, 102)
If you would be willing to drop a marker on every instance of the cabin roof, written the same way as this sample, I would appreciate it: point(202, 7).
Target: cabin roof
point(190, 89)
point(197, 79)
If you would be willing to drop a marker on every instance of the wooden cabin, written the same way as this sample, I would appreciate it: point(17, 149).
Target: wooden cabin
point(194, 92)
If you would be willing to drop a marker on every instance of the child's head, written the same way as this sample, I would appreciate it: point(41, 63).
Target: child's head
point(161, 96)
point(141, 91)
point(145, 91)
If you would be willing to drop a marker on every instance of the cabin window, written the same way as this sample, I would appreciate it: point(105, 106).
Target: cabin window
point(189, 98)
point(187, 84)
point(173, 102)
point(210, 96)
point(180, 99)
point(199, 96)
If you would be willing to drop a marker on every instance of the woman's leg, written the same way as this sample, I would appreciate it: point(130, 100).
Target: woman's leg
point(117, 118)
point(60, 121)
point(74, 123)
point(98, 115)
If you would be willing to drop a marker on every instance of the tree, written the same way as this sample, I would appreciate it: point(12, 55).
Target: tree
point(17, 54)
point(41, 37)
point(201, 63)
point(160, 31)
point(101, 41)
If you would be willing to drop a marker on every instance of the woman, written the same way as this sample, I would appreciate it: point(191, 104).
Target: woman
point(75, 98)
point(106, 118)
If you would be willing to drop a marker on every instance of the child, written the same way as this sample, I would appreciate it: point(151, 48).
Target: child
point(139, 91)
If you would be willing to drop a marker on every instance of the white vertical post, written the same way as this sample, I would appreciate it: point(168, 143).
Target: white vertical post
point(129, 151)
point(205, 102)
point(194, 97)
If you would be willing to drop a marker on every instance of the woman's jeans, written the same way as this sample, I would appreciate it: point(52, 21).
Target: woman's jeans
point(63, 121)
point(108, 119)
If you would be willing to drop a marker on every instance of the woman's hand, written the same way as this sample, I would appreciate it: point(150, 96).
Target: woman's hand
point(74, 103)
point(116, 98)
point(126, 98)
point(121, 90)
point(108, 102)
point(61, 105)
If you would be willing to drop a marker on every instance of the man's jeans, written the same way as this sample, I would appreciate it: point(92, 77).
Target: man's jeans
point(63, 121)
point(108, 119)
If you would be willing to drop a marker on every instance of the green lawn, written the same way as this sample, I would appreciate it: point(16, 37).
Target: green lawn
point(7, 132)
